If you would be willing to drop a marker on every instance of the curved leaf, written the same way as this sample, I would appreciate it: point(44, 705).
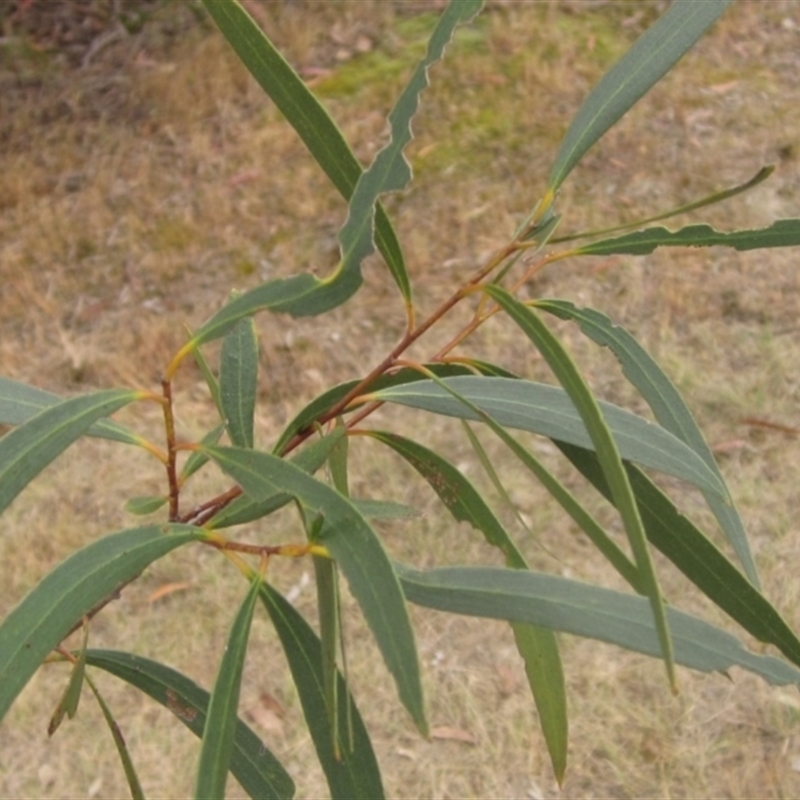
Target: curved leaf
point(668, 406)
point(244, 509)
point(307, 295)
point(606, 448)
point(88, 577)
point(697, 557)
point(238, 381)
point(26, 450)
point(653, 54)
point(19, 402)
point(119, 742)
point(548, 410)
point(308, 117)
point(197, 459)
point(329, 398)
point(390, 171)
point(252, 764)
point(711, 199)
point(783, 233)
point(584, 610)
point(142, 506)
point(558, 491)
point(537, 646)
point(357, 549)
point(221, 718)
point(356, 773)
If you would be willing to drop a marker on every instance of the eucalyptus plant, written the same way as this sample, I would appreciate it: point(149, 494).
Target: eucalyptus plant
point(614, 450)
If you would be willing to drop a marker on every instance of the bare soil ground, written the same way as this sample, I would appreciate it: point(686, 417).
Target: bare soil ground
point(140, 185)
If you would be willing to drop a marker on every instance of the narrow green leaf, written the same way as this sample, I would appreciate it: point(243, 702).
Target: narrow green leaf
point(245, 509)
point(337, 463)
point(559, 492)
point(197, 459)
point(390, 171)
point(252, 764)
point(594, 612)
point(277, 295)
point(668, 406)
point(221, 717)
point(653, 54)
point(134, 784)
point(548, 410)
point(142, 506)
point(308, 117)
point(72, 693)
point(356, 774)
point(210, 378)
point(384, 509)
point(537, 647)
point(783, 233)
point(238, 381)
point(19, 402)
point(25, 451)
point(491, 472)
point(328, 399)
point(697, 557)
point(711, 199)
point(607, 453)
point(358, 551)
point(307, 295)
point(328, 605)
point(88, 577)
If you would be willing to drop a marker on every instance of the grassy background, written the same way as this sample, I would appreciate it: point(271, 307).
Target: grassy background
point(140, 189)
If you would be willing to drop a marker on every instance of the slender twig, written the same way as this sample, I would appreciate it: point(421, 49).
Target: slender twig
point(169, 428)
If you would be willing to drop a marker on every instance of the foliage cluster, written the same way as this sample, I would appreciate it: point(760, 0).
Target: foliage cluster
point(307, 467)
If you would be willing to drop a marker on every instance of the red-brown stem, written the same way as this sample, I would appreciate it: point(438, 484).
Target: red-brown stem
point(169, 427)
point(407, 340)
point(199, 515)
point(204, 512)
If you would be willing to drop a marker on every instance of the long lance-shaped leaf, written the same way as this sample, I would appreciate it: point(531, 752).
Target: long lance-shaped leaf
point(119, 742)
point(668, 406)
point(245, 509)
point(46, 615)
point(19, 402)
point(278, 295)
point(307, 295)
point(211, 380)
point(356, 774)
point(308, 117)
point(584, 610)
point(538, 647)
point(221, 719)
point(25, 451)
point(548, 410)
point(390, 171)
point(599, 538)
point(196, 459)
point(653, 54)
point(325, 401)
point(238, 381)
point(607, 452)
point(252, 764)
point(328, 597)
point(384, 509)
point(68, 704)
point(696, 556)
point(708, 200)
point(358, 551)
point(783, 233)
point(329, 630)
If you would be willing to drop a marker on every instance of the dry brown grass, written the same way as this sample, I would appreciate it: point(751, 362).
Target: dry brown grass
point(136, 193)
